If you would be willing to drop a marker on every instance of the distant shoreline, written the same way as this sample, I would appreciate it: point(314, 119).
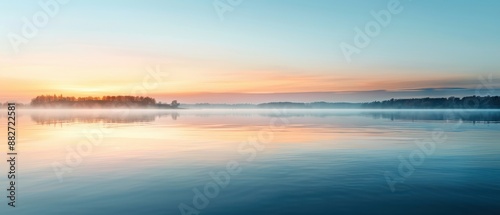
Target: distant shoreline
point(287, 108)
point(131, 102)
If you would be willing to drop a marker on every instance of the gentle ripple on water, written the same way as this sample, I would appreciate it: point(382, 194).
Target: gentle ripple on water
point(314, 162)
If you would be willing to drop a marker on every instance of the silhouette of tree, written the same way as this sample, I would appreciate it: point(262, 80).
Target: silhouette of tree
point(98, 102)
point(175, 104)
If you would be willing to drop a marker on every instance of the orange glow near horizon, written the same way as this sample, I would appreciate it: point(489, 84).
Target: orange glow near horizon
point(182, 85)
point(92, 73)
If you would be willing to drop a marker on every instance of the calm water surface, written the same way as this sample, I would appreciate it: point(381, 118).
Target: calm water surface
point(282, 162)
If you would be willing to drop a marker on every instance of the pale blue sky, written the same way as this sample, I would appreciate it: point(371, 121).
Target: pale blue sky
point(441, 40)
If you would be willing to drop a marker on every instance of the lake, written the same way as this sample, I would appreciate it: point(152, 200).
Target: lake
point(224, 162)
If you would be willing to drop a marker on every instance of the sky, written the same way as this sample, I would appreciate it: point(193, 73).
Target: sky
point(249, 51)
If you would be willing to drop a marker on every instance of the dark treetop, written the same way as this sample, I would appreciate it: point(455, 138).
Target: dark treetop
point(54, 101)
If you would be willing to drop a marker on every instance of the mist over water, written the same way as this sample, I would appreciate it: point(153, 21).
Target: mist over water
point(48, 116)
point(303, 161)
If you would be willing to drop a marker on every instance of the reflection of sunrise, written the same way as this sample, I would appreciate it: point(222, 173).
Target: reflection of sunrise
point(163, 137)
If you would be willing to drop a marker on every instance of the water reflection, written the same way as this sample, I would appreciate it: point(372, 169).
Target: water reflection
point(319, 161)
point(403, 115)
point(95, 116)
point(452, 115)
point(45, 117)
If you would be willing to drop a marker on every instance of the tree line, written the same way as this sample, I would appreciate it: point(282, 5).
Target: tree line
point(469, 102)
point(54, 101)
